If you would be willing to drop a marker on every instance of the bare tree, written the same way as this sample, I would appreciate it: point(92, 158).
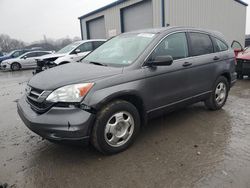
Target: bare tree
point(8, 44)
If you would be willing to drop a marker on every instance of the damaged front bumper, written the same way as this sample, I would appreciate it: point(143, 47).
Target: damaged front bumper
point(43, 65)
point(57, 123)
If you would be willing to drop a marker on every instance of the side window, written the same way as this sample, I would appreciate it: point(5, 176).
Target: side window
point(32, 54)
point(200, 44)
point(174, 45)
point(41, 53)
point(219, 46)
point(96, 44)
point(86, 47)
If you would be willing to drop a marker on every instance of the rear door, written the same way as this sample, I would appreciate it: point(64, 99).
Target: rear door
point(202, 73)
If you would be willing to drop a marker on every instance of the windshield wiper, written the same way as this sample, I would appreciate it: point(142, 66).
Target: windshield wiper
point(97, 63)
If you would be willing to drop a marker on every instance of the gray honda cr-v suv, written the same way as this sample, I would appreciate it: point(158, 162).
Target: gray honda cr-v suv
point(131, 78)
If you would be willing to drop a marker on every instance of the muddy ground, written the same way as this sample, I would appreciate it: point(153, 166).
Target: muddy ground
point(192, 147)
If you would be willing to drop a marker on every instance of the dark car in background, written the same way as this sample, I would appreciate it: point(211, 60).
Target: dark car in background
point(243, 60)
point(131, 78)
point(1, 54)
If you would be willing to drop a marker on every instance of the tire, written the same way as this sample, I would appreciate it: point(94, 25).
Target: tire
point(118, 137)
point(15, 66)
point(218, 97)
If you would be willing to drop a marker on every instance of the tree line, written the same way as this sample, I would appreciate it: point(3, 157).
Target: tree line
point(8, 44)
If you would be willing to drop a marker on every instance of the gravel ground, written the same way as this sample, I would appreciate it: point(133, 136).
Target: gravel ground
point(192, 147)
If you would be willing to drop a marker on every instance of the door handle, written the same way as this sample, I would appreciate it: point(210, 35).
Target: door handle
point(187, 64)
point(216, 58)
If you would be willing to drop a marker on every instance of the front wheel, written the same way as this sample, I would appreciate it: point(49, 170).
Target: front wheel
point(15, 66)
point(116, 127)
point(219, 95)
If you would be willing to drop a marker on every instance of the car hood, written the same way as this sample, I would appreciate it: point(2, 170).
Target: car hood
point(71, 73)
point(11, 60)
point(51, 56)
point(4, 58)
point(244, 55)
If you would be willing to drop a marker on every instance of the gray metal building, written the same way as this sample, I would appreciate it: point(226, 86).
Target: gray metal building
point(247, 41)
point(226, 16)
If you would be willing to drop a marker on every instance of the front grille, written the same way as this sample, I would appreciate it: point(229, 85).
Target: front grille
point(37, 100)
point(242, 64)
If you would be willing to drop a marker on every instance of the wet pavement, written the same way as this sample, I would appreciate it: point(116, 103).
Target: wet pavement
point(192, 147)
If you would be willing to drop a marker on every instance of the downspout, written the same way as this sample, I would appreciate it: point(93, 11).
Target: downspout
point(81, 28)
point(163, 12)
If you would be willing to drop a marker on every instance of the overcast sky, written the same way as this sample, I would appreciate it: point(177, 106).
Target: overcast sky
point(29, 20)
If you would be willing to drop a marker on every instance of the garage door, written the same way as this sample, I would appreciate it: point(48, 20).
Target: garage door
point(96, 28)
point(138, 16)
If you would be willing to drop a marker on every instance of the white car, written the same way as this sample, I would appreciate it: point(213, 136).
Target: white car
point(71, 53)
point(27, 60)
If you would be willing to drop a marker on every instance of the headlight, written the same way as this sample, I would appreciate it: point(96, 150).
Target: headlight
point(70, 93)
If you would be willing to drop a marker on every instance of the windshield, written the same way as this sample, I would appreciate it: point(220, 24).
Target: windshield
point(10, 54)
point(15, 54)
point(69, 48)
point(122, 50)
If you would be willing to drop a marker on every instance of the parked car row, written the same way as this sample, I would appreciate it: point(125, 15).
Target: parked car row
point(14, 54)
point(41, 60)
point(27, 60)
point(105, 99)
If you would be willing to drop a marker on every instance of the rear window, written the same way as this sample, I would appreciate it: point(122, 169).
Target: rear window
point(219, 45)
point(42, 53)
point(200, 44)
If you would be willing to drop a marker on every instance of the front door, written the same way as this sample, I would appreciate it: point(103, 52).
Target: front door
point(168, 85)
point(29, 60)
point(82, 51)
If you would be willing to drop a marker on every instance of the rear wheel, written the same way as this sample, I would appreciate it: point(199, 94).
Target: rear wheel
point(15, 66)
point(219, 94)
point(116, 127)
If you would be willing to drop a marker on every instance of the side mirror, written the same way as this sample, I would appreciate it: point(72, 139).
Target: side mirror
point(77, 51)
point(25, 57)
point(161, 61)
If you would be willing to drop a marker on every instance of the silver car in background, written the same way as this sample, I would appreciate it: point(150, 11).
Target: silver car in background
point(27, 60)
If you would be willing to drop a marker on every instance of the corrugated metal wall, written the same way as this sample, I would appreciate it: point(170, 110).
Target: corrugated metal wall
point(226, 16)
point(112, 17)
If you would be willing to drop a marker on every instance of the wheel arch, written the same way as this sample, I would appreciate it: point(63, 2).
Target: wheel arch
point(16, 63)
point(227, 76)
point(131, 97)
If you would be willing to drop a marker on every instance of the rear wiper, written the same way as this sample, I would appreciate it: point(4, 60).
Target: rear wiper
point(97, 63)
